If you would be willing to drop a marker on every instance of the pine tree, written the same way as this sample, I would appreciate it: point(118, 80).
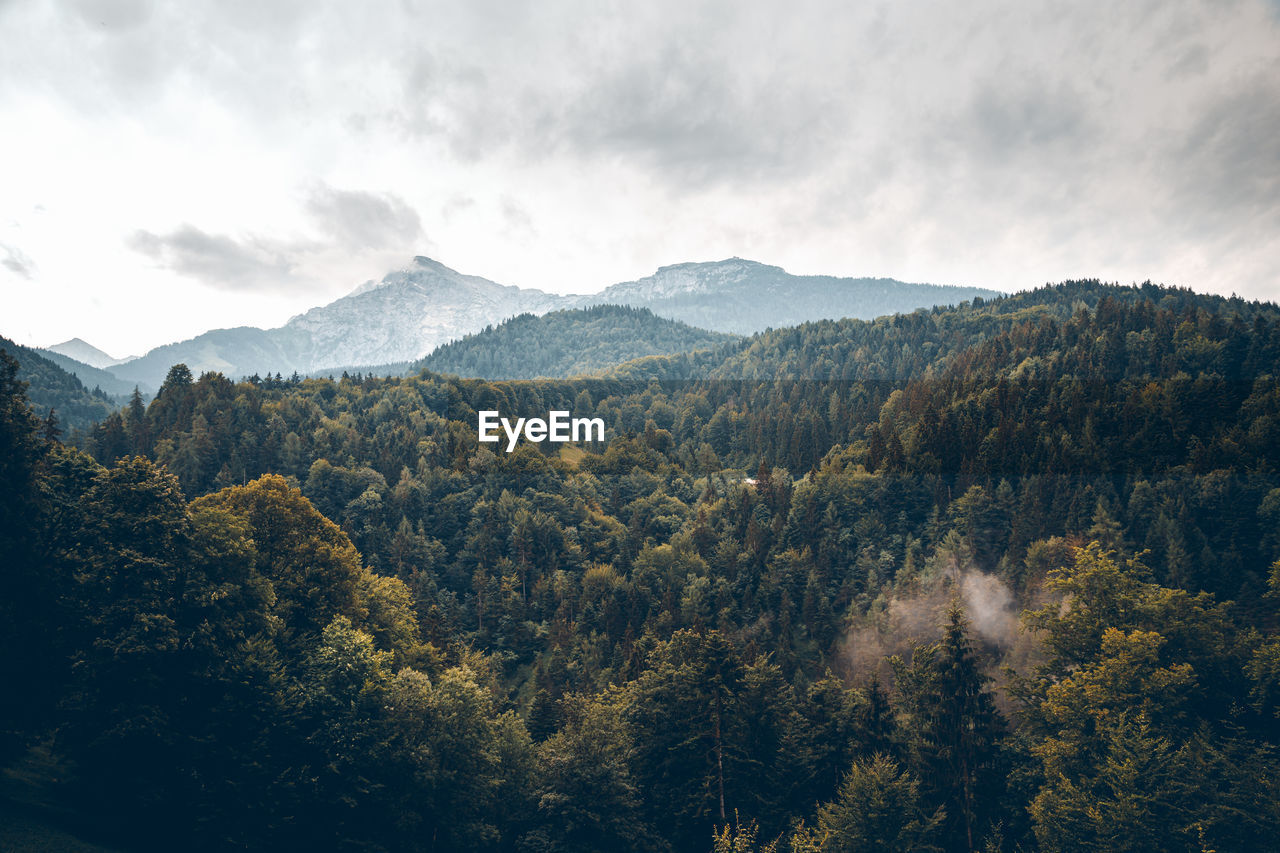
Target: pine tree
point(954, 732)
point(25, 594)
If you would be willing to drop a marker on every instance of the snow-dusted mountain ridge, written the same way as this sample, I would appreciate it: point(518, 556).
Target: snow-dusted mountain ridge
point(743, 297)
point(411, 311)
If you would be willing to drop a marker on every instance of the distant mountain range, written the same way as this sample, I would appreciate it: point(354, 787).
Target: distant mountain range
point(401, 318)
point(86, 353)
point(744, 297)
point(411, 312)
point(97, 377)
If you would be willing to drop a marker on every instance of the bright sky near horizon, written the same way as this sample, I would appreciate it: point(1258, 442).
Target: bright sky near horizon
point(167, 168)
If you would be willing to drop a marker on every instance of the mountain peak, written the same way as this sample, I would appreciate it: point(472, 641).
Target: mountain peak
point(432, 264)
point(690, 278)
point(84, 352)
point(728, 263)
point(408, 273)
point(742, 296)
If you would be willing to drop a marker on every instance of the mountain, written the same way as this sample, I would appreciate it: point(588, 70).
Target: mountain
point(96, 377)
point(743, 297)
point(51, 387)
point(413, 310)
point(236, 352)
point(398, 319)
point(567, 343)
point(84, 352)
point(913, 345)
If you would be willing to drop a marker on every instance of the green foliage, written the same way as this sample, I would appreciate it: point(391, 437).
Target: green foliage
point(1124, 644)
point(52, 389)
point(742, 838)
point(586, 795)
point(879, 808)
point(313, 568)
point(1146, 792)
point(710, 732)
point(567, 343)
point(953, 732)
point(22, 583)
point(368, 631)
point(1141, 685)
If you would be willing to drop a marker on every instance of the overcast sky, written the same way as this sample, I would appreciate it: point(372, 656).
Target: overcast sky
point(166, 168)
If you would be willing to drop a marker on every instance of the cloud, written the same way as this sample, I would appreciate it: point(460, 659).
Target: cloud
point(958, 143)
point(1229, 160)
point(363, 220)
point(1009, 118)
point(456, 205)
point(517, 217)
point(16, 261)
point(692, 96)
point(352, 224)
point(113, 14)
point(217, 260)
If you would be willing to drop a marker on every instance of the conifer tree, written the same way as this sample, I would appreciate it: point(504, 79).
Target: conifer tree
point(953, 732)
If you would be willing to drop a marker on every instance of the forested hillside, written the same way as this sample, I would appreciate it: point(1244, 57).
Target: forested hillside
point(1002, 577)
point(91, 376)
point(51, 388)
point(567, 343)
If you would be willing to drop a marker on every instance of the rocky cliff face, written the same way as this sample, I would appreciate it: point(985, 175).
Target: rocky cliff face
point(411, 312)
point(686, 280)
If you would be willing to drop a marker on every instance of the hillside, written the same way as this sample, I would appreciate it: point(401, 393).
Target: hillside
point(906, 346)
point(567, 343)
point(85, 353)
point(51, 387)
point(978, 577)
point(242, 351)
point(99, 377)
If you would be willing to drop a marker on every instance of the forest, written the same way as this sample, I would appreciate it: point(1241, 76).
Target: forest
point(567, 343)
point(49, 386)
point(1003, 576)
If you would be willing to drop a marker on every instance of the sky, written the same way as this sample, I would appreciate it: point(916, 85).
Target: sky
point(167, 168)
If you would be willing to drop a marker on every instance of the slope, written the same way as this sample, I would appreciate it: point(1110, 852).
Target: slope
point(567, 343)
point(743, 297)
point(100, 377)
point(84, 352)
point(51, 387)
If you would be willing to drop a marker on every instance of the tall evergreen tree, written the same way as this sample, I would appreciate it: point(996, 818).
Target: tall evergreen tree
point(954, 731)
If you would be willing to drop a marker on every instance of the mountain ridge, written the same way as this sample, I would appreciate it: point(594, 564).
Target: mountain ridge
point(566, 343)
point(86, 353)
point(726, 296)
point(409, 312)
point(52, 387)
